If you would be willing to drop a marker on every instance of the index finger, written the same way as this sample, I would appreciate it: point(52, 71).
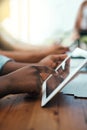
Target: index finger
point(44, 69)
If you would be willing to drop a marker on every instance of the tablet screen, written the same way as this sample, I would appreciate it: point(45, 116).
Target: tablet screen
point(65, 72)
point(62, 73)
point(55, 80)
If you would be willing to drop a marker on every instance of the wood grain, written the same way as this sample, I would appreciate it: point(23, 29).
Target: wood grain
point(63, 112)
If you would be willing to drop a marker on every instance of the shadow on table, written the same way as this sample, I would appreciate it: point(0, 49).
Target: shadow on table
point(59, 100)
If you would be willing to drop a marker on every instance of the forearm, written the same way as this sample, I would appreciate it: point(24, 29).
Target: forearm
point(4, 86)
point(12, 44)
point(11, 66)
point(20, 81)
point(7, 85)
point(26, 57)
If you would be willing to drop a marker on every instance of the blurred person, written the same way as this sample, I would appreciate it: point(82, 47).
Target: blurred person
point(28, 53)
point(80, 28)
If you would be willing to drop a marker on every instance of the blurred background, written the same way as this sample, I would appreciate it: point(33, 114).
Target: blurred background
point(38, 21)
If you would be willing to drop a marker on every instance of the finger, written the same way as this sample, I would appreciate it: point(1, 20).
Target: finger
point(62, 56)
point(64, 48)
point(44, 69)
point(57, 58)
point(61, 47)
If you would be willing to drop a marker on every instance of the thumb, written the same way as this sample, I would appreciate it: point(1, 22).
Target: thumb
point(44, 69)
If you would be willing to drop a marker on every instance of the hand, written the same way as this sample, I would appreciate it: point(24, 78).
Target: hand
point(51, 61)
point(57, 48)
point(27, 79)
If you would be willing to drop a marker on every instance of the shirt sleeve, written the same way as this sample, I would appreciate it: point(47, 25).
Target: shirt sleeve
point(3, 61)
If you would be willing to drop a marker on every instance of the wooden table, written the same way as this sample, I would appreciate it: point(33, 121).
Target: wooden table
point(19, 112)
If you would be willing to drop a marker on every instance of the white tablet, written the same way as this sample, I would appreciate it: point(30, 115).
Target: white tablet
point(54, 83)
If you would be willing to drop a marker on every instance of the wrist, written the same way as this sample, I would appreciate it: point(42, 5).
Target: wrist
point(5, 88)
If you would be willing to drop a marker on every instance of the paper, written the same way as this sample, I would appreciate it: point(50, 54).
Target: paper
point(78, 86)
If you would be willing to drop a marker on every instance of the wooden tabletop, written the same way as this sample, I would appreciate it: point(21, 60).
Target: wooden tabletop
point(63, 112)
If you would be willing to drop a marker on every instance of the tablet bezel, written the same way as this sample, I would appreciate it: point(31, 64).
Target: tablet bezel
point(45, 99)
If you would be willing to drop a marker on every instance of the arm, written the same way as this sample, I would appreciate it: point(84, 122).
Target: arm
point(26, 57)
point(50, 61)
point(24, 80)
point(36, 55)
point(29, 53)
point(12, 66)
point(4, 86)
point(10, 44)
point(8, 65)
point(20, 80)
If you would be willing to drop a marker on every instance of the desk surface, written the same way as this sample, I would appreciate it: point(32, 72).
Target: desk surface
point(63, 112)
